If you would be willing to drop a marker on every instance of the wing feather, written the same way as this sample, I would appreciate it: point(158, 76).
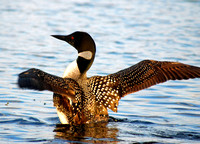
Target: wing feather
point(137, 77)
point(154, 72)
point(40, 80)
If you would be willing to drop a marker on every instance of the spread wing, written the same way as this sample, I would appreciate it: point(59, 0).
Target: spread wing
point(39, 80)
point(109, 89)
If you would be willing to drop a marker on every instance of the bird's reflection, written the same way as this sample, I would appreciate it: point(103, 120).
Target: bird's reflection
point(95, 133)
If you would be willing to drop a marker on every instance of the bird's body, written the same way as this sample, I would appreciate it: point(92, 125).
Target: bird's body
point(79, 99)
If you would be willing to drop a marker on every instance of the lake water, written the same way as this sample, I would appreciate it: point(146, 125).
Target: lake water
point(125, 32)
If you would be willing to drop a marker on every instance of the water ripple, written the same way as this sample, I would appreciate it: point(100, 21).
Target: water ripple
point(125, 33)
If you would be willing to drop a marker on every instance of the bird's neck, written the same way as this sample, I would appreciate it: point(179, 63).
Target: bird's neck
point(79, 67)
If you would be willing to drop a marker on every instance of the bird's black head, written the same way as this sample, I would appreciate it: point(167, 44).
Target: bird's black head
point(81, 41)
point(85, 46)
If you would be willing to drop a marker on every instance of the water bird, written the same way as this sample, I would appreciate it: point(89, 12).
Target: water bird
point(80, 100)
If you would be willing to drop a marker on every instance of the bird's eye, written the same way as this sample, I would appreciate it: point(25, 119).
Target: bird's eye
point(72, 38)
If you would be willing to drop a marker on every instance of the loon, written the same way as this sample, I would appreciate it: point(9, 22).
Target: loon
point(80, 100)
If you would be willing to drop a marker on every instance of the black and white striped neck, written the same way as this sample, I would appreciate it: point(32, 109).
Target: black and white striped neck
point(84, 61)
point(79, 67)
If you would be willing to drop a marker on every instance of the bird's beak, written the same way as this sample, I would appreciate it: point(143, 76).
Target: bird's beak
point(60, 37)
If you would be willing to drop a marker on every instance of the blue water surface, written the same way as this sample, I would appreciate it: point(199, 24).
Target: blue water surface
point(125, 32)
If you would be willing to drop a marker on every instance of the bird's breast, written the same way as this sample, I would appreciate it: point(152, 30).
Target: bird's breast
point(72, 71)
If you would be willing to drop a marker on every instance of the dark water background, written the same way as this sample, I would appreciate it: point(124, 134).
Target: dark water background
point(126, 32)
